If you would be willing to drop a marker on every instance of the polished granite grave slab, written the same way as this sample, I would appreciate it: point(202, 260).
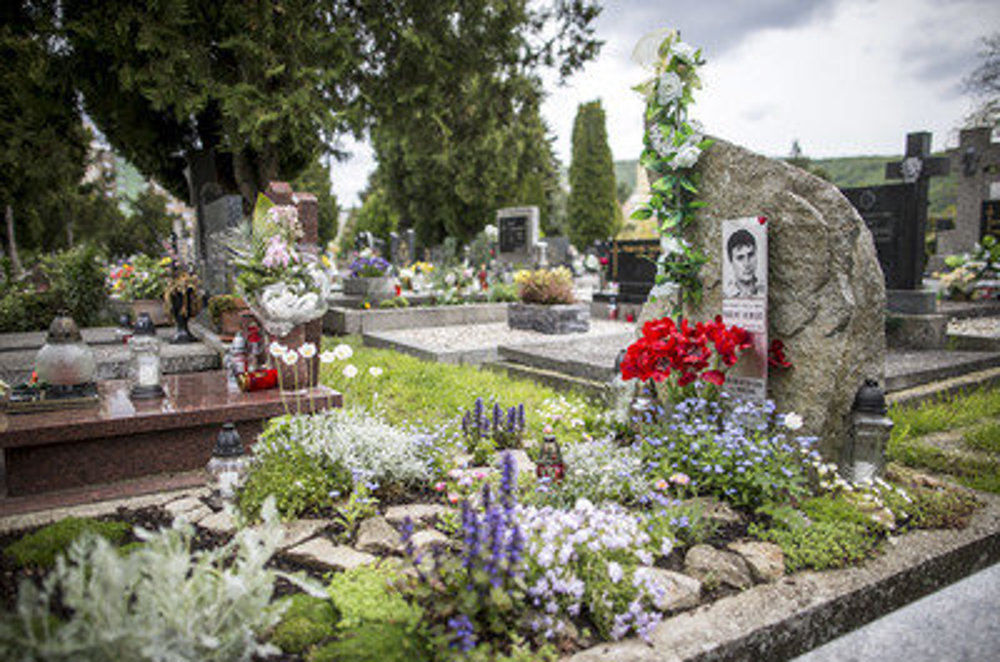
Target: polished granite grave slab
point(120, 438)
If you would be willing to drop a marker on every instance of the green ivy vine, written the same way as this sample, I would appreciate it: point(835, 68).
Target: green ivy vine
point(672, 146)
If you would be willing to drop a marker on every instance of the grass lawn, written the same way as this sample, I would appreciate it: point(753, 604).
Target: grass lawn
point(970, 421)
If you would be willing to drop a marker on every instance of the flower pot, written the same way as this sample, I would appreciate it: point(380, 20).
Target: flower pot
point(155, 309)
point(231, 322)
point(550, 319)
point(296, 372)
point(371, 288)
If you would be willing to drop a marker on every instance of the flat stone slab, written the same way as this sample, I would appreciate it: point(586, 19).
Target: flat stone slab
point(475, 344)
point(322, 552)
point(590, 358)
point(908, 368)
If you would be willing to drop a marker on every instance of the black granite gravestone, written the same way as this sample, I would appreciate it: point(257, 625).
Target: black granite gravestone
point(513, 234)
point(888, 211)
point(633, 267)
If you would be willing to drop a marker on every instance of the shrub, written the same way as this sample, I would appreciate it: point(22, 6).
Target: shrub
point(599, 471)
point(828, 532)
point(360, 442)
point(737, 451)
point(585, 558)
point(545, 286)
point(160, 602)
point(75, 284)
point(43, 546)
point(375, 642)
point(307, 621)
point(367, 595)
point(395, 302)
point(300, 482)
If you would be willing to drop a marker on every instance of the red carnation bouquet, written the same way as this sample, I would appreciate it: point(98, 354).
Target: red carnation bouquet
point(702, 351)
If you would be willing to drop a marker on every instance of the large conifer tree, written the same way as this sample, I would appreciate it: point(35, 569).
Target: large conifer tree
point(592, 212)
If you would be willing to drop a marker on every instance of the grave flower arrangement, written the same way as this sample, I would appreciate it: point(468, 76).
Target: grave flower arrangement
point(369, 266)
point(975, 275)
point(281, 285)
point(545, 286)
point(139, 277)
point(673, 145)
point(687, 353)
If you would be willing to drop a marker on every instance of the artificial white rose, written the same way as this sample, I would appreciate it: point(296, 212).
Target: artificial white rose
point(793, 421)
point(670, 244)
point(669, 88)
point(686, 156)
point(684, 51)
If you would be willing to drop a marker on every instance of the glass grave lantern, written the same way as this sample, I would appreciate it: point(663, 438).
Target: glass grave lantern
point(65, 362)
point(228, 465)
point(550, 463)
point(144, 364)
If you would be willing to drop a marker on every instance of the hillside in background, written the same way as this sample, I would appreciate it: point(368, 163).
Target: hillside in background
point(847, 172)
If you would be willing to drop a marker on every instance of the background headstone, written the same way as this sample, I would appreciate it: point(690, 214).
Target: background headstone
point(518, 234)
point(218, 219)
point(976, 163)
point(558, 253)
point(632, 264)
point(826, 296)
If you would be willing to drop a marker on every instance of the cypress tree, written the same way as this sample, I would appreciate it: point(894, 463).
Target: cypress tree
point(592, 210)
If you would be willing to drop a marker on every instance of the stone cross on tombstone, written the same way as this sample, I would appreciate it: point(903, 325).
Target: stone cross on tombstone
point(977, 162)
point(917, 167)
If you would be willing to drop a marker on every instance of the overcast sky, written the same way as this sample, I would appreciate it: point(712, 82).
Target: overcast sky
point(844, 77)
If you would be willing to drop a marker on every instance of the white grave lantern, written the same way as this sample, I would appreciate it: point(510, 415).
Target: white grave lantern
point(228, 466)
point(144, 366)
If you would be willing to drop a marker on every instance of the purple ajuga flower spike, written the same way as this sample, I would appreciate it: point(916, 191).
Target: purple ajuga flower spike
point(487, 497)
point(497, 414)
point(470, 529)
point(508, 482)
point(495, 528)
point(464, 633)
point(515, 549)
point(520, 416)
point(512, 420)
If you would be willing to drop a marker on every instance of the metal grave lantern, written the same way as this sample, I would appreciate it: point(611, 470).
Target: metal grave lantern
point(228, 465)
point(144, 365)
point(863, 457)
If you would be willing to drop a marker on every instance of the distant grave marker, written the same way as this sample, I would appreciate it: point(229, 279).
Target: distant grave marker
point(518, 230)
point(977, 161)
point(632, 265)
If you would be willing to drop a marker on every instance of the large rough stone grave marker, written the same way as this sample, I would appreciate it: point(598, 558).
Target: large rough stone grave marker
point(826, 295)
point(896, 214)
point(977, 163)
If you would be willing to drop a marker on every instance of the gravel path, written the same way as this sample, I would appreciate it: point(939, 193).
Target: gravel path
point(485, 336)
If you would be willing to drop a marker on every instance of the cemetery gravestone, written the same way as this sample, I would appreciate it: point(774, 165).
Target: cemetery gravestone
point(410, 243)
point(897, 217)
point(977, 163)
point(219, 218)
point(826, 295)
point(518, 234)
point(632, 265)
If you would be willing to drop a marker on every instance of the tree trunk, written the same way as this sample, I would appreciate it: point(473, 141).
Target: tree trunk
point(15, 261)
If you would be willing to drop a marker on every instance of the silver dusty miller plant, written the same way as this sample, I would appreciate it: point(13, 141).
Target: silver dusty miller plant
point(158, 602)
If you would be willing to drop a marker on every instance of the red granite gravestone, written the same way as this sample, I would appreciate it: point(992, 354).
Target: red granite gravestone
point(121, 439)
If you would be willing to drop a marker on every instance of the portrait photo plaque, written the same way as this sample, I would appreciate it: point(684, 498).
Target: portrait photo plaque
point(744, 302)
